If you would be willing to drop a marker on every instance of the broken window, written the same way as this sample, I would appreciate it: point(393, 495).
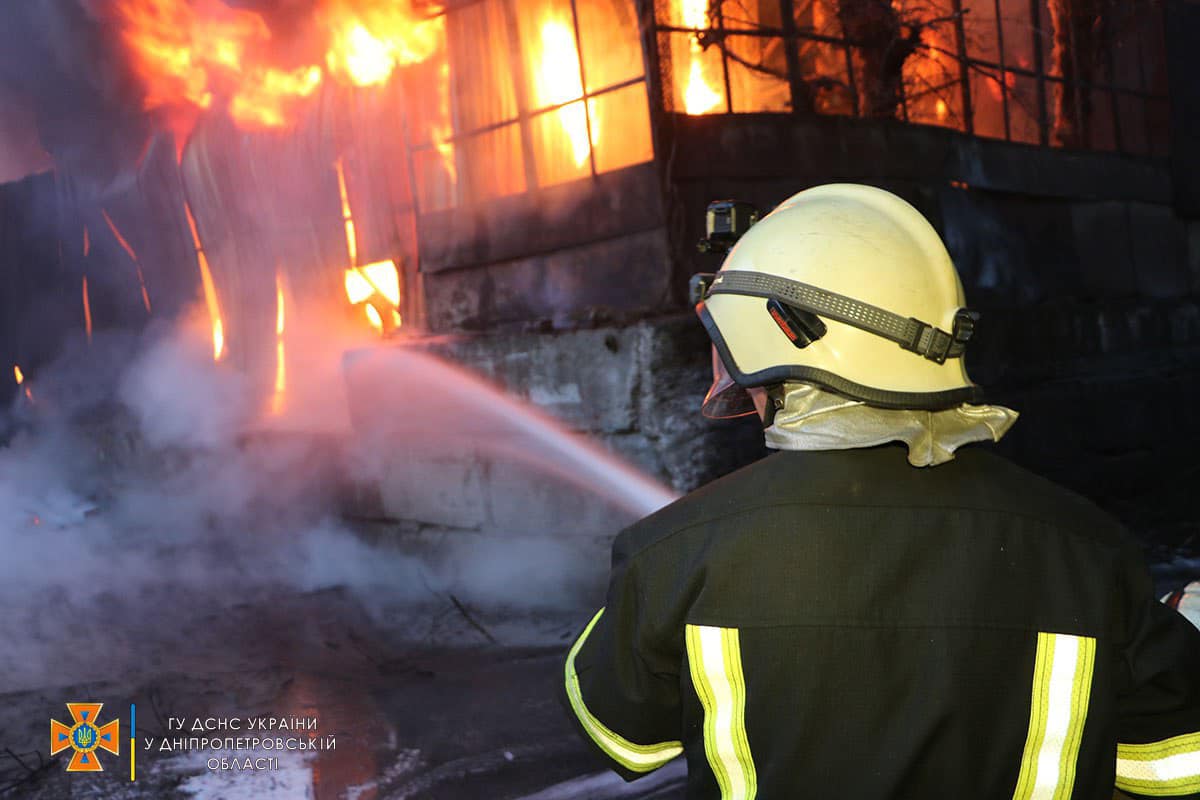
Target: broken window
point(1071, 73)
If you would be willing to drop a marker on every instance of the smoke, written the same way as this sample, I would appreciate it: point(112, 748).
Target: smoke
point(141, 505)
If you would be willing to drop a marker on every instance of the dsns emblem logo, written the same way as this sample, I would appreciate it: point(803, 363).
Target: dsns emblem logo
point(85, 737)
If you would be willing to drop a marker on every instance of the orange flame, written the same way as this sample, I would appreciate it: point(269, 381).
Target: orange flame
point(280, 352)
point(192, 55)
point(210, 289)
point(698, 96)
point(87, 310)
point(374, 318)
point(443, 131)
point(188, 52)
point(368, 40)
point(20, 376)
point(375, 284)
point(264, 100)
point(112, 226)
point(347, 216)
point(557, 80)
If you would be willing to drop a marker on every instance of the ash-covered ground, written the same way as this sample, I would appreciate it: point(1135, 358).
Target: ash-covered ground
point(158, 549)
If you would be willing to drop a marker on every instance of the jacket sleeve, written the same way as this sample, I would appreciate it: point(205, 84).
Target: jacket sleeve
point(1158, 750)
point(624, 707)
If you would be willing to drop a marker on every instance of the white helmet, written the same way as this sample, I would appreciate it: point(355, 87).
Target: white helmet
point(846, 287)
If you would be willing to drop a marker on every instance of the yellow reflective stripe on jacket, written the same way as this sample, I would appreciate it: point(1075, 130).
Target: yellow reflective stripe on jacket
point(636, 757)
point(715, 659)
point(1062, 687)
point(1160, 769)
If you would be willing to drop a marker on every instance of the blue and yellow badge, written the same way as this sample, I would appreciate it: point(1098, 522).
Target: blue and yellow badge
point(85, 737)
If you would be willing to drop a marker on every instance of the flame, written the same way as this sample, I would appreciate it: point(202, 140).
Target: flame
point(210, 289)
point(112, 226)
point(181, 49)
point(928, 72)
point(20, 376)
point(280, 353)
point(698, 96)
point(347, 216)
point(193, 55)
point(374, 318)
point(264, 100)
point(363, 58)
point(380, 278)
point(443, 131)
point(87, 310)
point(369, 40)
point(375, 284)
point(557, 81)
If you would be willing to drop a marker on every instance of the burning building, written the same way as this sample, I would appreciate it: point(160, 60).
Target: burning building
point(529, 177)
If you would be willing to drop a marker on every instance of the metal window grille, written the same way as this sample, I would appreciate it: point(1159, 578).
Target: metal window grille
point(526, 94)
point(1081, 74)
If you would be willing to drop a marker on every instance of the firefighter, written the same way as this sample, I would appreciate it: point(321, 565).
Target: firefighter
point(870, 612)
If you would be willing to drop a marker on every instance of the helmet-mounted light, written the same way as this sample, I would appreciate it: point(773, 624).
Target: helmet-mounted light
point(725, 222)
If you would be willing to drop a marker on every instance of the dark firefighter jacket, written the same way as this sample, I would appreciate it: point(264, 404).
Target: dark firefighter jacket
point(842, 625)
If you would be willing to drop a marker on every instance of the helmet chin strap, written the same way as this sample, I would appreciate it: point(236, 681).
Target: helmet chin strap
point(773, 401)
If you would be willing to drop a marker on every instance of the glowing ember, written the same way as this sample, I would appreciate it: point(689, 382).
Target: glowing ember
point(87, 242)
point(210, 289)
point(557, 81)
point(280, 353)
point(112, 226)
point(943, 110)
point(698, 96)
point(87, 310)
point(347, 216)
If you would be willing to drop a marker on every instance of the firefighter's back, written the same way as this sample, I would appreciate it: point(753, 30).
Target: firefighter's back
point(849, 626)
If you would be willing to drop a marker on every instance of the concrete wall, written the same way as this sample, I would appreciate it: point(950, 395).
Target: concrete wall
point(1087, 276)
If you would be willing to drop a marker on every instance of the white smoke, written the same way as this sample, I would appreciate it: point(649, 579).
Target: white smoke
point(134, 505)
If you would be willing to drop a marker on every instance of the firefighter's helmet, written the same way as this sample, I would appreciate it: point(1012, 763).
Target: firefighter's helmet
point(844, 286)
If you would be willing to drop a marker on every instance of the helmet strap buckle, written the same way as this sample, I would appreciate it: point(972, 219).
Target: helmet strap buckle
point(801, 327)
